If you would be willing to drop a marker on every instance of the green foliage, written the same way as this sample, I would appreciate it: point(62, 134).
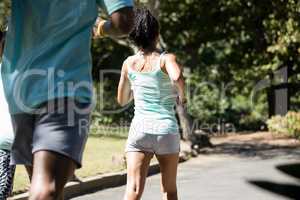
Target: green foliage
point(235, 43)
point(293, 124)
point(107, 111)
point(248, 115)
point(203, 98)
point(210, 103)
point(4, 13)
point(288, 125)
point(108, 57)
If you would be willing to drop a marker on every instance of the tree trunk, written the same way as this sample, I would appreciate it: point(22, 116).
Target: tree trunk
point(184, 122)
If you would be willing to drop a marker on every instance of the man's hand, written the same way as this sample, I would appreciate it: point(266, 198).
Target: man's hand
point(95, 28)
point(119, 25)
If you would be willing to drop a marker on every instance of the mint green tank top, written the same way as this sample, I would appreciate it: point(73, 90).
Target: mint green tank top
point(154, 102)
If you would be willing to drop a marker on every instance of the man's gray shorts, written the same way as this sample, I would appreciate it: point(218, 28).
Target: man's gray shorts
point(61, 126)
point(156, 144)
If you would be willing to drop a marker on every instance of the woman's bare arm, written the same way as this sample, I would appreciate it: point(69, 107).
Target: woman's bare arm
point(175, 73)
point(124, 88)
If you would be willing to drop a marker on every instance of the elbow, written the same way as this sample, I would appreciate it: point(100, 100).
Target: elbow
point(121, 102)
point(178, 78)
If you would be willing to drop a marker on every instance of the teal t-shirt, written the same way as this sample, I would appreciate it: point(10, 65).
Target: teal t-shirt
point(47, 53)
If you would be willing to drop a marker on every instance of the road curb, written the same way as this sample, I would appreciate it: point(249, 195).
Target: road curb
point(94, 184)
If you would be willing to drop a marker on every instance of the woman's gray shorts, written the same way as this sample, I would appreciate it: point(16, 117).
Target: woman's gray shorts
point(62, 127)
point(156, 144)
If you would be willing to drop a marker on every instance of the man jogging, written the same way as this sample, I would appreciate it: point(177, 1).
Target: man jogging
point(47, 81)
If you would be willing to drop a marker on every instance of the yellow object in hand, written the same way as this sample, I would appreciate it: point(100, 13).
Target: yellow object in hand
point(100, 29)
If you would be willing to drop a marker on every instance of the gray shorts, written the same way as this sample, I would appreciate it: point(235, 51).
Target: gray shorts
point(61, 126)
point(156, 144)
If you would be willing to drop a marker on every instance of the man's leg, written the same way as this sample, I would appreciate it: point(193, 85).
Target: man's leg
point(59, 138)
point(51, 172)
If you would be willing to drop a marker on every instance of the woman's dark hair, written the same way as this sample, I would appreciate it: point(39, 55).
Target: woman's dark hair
point(145, 30)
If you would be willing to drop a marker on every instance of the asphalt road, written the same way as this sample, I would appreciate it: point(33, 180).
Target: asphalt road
point(220, 177)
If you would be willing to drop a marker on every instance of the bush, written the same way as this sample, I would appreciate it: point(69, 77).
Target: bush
point(277, 125)
point(288, 125)
point(293, 124)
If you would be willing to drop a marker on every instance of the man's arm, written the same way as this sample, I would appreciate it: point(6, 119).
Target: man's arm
point(121, 19)
point(120, 23)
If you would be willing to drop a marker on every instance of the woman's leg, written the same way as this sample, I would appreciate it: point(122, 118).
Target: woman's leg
point(137, 171)
point(51, 172)
point(168, 167)
point(6, 174)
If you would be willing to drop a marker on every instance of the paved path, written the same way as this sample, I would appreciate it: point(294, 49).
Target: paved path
point(219, 177)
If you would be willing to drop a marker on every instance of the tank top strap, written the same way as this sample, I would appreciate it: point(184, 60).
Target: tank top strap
point(160, 60)
point(129, 67)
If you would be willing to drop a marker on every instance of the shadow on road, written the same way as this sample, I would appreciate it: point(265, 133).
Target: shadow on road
point(288, 190)
point(290, 169)
point(261, 150)
point(262, 146)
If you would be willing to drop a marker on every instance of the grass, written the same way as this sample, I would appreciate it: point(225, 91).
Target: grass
point(102, 154)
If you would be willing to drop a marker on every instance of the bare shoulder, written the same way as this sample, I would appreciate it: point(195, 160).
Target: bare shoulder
point(170, 57)
point(129, 60)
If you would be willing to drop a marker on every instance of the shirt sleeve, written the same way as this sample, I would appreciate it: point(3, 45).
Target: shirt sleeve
point(113, 5)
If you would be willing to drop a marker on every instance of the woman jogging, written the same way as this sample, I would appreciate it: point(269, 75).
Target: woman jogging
point(151, 78)
point(6, 138)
